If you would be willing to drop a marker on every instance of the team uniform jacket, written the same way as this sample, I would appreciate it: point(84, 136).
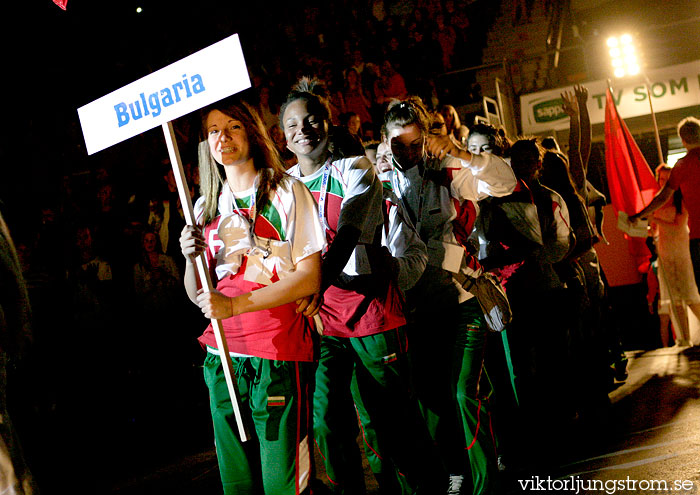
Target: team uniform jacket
point(441, 199)
point(359, 305)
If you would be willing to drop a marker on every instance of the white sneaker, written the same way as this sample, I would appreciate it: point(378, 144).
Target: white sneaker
point(455, 487)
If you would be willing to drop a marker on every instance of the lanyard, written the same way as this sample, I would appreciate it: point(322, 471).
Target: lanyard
point(418, 220)
point(252, 213)
point(251, 208)
point(421, 201)
point(322, 194)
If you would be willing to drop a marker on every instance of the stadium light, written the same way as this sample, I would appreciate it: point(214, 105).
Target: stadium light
point(625, 62)
point(623, 55)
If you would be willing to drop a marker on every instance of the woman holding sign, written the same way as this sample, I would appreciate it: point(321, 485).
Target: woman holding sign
point(263, 240)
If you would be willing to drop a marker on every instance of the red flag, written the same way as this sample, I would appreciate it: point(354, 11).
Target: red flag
point(61, 3)
point(631, 183)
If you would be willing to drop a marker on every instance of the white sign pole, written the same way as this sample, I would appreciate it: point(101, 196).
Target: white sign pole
point(189, 84)
point(204, 277)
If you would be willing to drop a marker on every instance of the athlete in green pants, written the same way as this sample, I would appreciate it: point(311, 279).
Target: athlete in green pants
point(361, 306)
point(262, 242)
point(439, 183)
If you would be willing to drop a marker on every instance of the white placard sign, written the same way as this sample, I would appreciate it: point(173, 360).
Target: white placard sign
point(189, 84)
point(673, 87)
point(156, 100)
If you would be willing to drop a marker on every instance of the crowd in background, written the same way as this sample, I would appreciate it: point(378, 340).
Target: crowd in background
point(101, 254)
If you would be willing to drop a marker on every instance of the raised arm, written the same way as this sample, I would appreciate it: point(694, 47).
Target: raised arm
point(585, 126)
point(578, 173)
point(479, 176)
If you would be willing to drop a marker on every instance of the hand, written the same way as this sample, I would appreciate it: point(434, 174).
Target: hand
point(192, 242)
point(581, 94)
point(633, 218)
point(440, 146)
point(310, 305)
point(215, 305)
point(569, 104)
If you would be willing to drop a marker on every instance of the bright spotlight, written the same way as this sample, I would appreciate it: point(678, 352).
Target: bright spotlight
point(139, 10)
point(623, 55)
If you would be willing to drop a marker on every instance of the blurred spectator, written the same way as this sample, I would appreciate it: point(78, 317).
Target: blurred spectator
point(358, 62)
point(156, 278)
point(92, 288)
point(392, 51)
point(335, 94)
point(389, 86)
point(378, 10)
point(677, 285)
point(165, 214)
point(351, 122)
point(454, 124)
point(354, 96)
point(446, 37)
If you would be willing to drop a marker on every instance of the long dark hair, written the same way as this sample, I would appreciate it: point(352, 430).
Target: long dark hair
point(524, 157)
point(262, 150)
point(556, 174)
point(499, 142)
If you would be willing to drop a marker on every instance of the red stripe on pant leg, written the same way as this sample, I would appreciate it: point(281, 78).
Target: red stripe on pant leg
point(493, 435)
point(478, 424)
point(364, 438)
point(320, 451)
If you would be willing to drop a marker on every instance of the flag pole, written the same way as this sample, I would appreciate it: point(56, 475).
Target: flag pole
point(653, 118)
point(204, 277)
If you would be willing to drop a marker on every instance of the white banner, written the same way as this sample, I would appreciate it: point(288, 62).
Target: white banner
point(673, 87)
point(187, 85)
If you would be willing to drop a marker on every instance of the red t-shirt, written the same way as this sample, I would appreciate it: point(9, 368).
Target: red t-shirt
point(278, 333)
point(260, 333)
point(685, 176)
